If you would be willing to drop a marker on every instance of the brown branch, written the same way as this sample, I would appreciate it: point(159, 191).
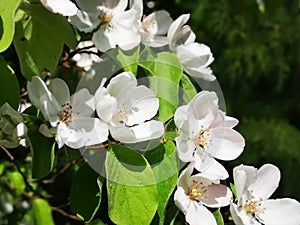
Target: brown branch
point(73, 217)
point(11, 158)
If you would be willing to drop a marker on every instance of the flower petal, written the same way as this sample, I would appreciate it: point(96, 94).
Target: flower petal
point(60, 90)
point(197, 214)
point(185, 179)
point(121, 83)
point(64, 7)
point(243, 177)
point(217, 195)
point(281, 212)
point(176, 26)
point(106, 105)
point(43, 99)
point(185, 149)
point(83, 103)
point(117, 5)
point(82, 132)
point(142, 132)
point(267, 181)
point(181, 200)
point(226, 143)
point(86, 22)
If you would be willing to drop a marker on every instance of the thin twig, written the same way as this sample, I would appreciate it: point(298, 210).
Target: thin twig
point(73, 217)
point(11, 158)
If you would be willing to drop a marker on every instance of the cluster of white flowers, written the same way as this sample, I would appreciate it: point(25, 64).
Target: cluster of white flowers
point(125, 110)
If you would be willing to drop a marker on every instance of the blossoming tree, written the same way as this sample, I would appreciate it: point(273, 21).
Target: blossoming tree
point(137, 111)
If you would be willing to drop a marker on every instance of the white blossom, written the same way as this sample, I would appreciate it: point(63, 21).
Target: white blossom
point(205, 133)
point(196, 192)
point(128, 109)
point(71, 116)
point(253, 188)
point(114, 24)
point(195, 57)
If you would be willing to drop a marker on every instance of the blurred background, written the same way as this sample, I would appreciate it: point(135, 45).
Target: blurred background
point(257, 63)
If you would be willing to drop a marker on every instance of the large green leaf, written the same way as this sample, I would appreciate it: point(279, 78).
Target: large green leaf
point(7, 24)
point(86, 192)
point(39, 40)
point(188, 89)
point(132, 196)
point(163, 159)
point(129, 59)
point(167, 72)
point(42, 154)
point(42, 212)
point(9, 86)
point(16, 179)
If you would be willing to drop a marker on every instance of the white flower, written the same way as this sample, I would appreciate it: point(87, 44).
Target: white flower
point(87, 56)
point(195, 192)
point(114, 25)
point(205, 133)
point(195, 57)
point(64, 7)
point(128, 109)
point(253, 188)
point(71, 115)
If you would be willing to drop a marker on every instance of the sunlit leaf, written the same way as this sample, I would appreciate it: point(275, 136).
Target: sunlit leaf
point(7, 24)
point(42, 212)
point(132, 196)
point(218, 216)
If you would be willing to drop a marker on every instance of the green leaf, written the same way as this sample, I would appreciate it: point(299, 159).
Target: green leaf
point(167, 72)
point(9, 86)
point(218, 216)
point(132, 196)
point(188, 89)
point(163, 160)
point(39, 40)
point(86, 192)
point(96, 222)
point(16, 179)
point(42, 154)
point(7, 24)
point(129, 59)
point(232, 187)
point(42, 212)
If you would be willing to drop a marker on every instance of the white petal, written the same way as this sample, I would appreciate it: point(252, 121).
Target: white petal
point(180, 116)
point(162, 20)
point(181, 200)
point(281, 212)
point(84, 21)
point(64, 7)
point(204, 73)
point(117, 5)
point(210, 167)
point(89, 5)
point(21, 130)
point(197, 214)
point(60, 90)
point(240, 217)
point(176, 26)
point(106, 105)
point(185, 179)
point(144, 105)
point(204, 106)
point(43, 99)
point(267, 181)
point(142, 132)
point(185, 149)
point(83, 132)
point(83, 103)
point(243, 177)
point(121, 83)
point(226, 143)
point(217, 195)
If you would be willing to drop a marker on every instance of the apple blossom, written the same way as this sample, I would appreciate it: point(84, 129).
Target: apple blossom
point(71, 116)
point(253, 188)
point(128, 109)
point(195, 57)
point(196, 192)
point(88, 56)
point(64, 7)
point(205, 133)
point(113, 24)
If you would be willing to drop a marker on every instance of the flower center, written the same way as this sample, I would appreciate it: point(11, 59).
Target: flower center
point(105, 17)
point(67, 114)
point(197, 191)
point(253, 206)
point(202, 138)
point(147, 24)
point(121, 115)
